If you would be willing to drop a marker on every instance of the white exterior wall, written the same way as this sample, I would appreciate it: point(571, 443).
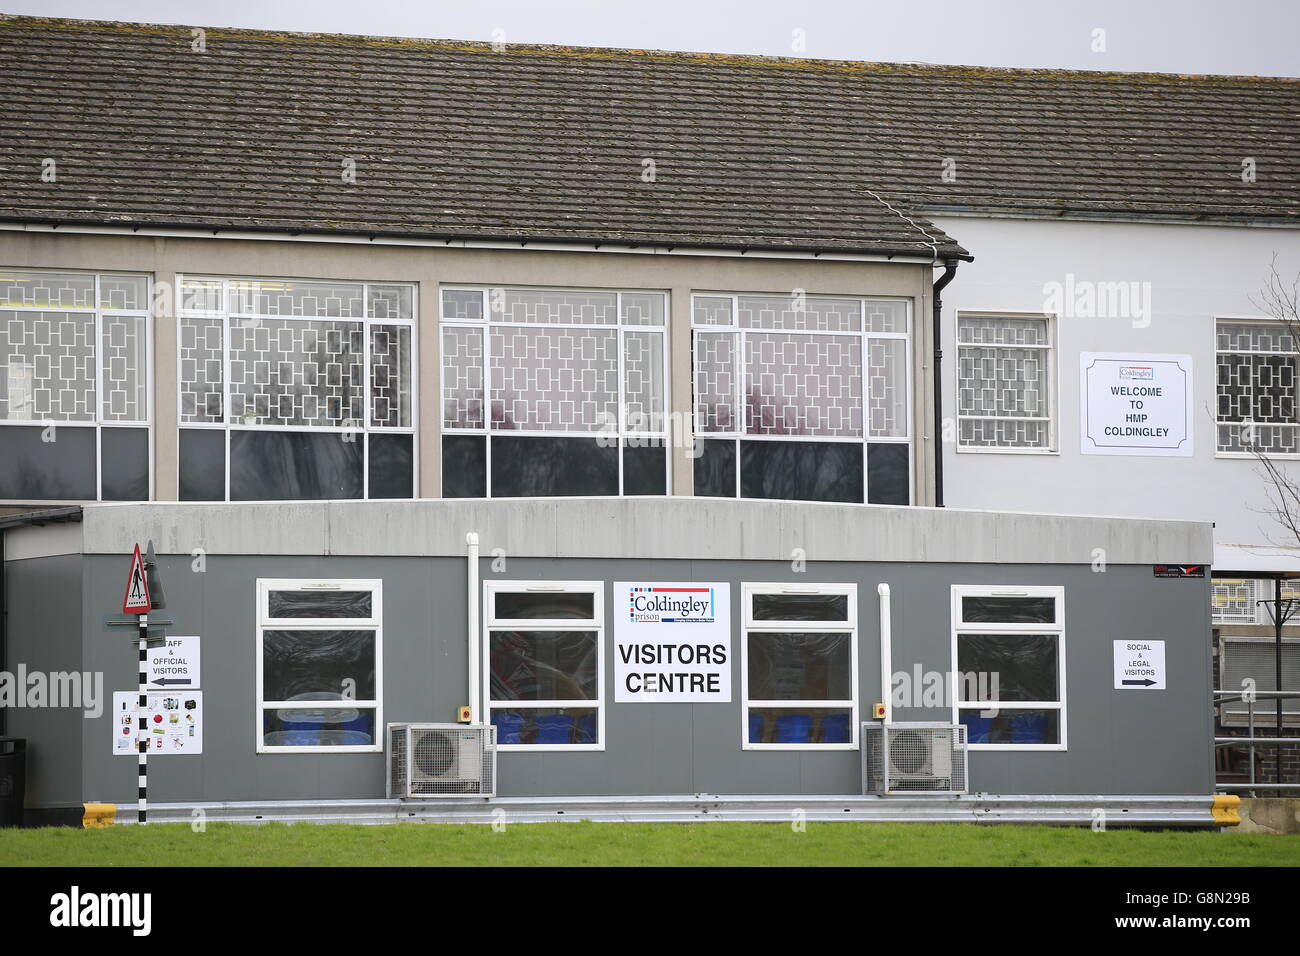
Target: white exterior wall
point(1197, 274)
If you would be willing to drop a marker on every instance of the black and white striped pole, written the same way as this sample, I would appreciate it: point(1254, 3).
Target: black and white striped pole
point(142, 808)
point(140, 601)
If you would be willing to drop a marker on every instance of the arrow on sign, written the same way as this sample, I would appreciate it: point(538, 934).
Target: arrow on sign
point(164, 681)
point(1145, 682)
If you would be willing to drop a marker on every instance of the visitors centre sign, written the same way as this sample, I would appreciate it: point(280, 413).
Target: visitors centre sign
point(672, 643)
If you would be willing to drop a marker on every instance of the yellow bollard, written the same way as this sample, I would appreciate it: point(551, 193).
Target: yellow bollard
point(1225, 809)
point(99, 815)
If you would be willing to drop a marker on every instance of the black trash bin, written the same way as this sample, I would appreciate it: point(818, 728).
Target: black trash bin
point(13, 778)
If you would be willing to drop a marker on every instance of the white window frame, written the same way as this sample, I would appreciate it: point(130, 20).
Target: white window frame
point(228, 424)
point(849, 626)
point(266, 623)
point(739, 434)
point(99, 422)
point(596, 623)
point(485, 326)
point(959, 627)
point(1242, 320)
point(1052, 393)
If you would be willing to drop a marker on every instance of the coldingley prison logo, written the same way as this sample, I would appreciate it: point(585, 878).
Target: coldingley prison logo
point(652, 605)
point(1137, 373)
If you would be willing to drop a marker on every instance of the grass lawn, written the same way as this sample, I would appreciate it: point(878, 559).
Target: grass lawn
point(648, 844)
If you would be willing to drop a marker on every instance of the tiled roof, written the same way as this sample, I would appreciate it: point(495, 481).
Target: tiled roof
point(461, 141)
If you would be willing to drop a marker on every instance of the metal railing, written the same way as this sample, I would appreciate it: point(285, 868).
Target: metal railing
point(1250, 741)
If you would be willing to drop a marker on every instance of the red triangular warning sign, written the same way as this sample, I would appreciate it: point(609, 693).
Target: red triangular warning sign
point(136, 600)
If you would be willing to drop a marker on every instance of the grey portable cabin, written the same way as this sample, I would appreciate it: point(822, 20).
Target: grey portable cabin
point(364, 604)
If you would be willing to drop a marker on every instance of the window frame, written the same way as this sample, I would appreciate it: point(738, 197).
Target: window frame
point(1214, 343)
point(99, 423)
point(264, 622)
point(739, 434)
point(228, 425)
point(849, 626)
point(1236, 713)
point(1052, 393)
point(485, 325)
point(1057, 629)
point(595, 623)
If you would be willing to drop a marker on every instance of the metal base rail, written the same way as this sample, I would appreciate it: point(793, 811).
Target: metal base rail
point(1082, 810)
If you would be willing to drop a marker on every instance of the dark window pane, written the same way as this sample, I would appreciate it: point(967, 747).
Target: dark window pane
point(203, 465)
point(800, 666)
point(812, 725)
point(319, 727)
point(543, 665)
point(549, 467)
point(294, 466)
point(543, 605)
point(645, 470)
point(1013, 727)
point(391, 472)
point(464, 466)
point(318, 665)
point(887, 478)
point(58, 470)
point(545, 725)
point(1008, 610)
point(1007, 666)
point(318, 603)
point(715, 469)
point(801, 471)
point(801, 607)
point(124, 464)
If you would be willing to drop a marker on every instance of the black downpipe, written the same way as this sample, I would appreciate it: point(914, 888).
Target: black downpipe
point(949, 273)
point(4, 627)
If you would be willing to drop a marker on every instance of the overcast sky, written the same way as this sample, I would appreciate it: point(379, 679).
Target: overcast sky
point(1178, 36)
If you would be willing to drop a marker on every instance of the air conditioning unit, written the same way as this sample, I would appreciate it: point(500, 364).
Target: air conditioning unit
point(441, 760)
point(918, 757)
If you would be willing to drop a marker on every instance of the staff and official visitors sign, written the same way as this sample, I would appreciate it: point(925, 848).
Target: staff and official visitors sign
point(1135, 404)
point(175, 664)
point(672, 643)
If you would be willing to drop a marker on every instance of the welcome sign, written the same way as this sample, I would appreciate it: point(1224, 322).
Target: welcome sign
point(1135, 404)
point(672, 643)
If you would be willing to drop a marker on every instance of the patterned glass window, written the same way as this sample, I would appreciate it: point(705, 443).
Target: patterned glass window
point(74, 352)
point(582, 371)
point(1004, 382)
point(805, 371)
point(1256, 388)
point(1249, 601)
point(311, 356)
